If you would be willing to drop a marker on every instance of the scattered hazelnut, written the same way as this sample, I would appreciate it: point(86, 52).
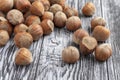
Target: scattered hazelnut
point(23, 39)
point(2, 14)
point(70, 54)
point(37, 8)
point(87, 45)
point(55, 8)
point(5, 25)
point(15, 17)
point(61, 2)
point(103, 52)
point(20, 28)
point(47, 26)
point(48, 15)
point(4, 37)
point(23, 5)
point(6, 5)
point(101, 33)
point(60, 19)
point(89, 9)
point(23, 57)
point(36, 31)
point(32, 19)
point(70, 11)
point(97, 21)
point(73, 23)
point(78, 35)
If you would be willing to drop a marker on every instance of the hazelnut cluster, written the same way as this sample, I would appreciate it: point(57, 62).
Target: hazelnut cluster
point(29, 20)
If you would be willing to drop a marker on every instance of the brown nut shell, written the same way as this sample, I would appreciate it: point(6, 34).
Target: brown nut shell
point(4, 37)
point(47, 26)
point(61, 2)
point(73, 23)
point(79, 35)
point(20, 28)
point(23, 57)
point(32, 19)
point(103, 52)
point(48, 15)
point(36, 31)
point(101, 33)
point(88, 9)
point(97, 21)
point(23, 39)
point(87, 45)
point(70, 54)
point(60, 19)
point(37, 8)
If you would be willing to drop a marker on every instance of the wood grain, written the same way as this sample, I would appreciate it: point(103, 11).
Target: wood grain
point(48, 65)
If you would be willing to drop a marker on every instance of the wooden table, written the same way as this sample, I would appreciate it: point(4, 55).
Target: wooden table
point(48, 65)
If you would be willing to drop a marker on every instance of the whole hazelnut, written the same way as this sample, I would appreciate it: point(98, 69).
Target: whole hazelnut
point(36, 31)
point(37, 8)
point(79, 35)
point(87, 45)
point(15, 17)
point(70, 11)
point(97, 21)
point(6, 5)
point(47, 26)
point(101, 33)
point(2, 14)
point(61, 2)
point(103, 52)
point(4, 37)
point(70, 54)
point(46, 4)
point(20, 28)
point(23, 39)
point(60, 19)
point(48, 15)
point(32, 19)
point(55, 8)
point(5, 25)
point(23, 57)
point(22, 5)
point(73, 23)
point(88, 9)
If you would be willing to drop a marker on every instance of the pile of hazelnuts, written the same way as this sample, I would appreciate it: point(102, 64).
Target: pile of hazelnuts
point(29, 20)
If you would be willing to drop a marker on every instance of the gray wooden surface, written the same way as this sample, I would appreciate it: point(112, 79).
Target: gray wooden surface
point(47, 64)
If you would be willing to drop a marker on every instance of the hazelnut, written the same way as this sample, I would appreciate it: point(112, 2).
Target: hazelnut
point(97, 21)
point(70, 11)
point(55, 8)
point(48, 15)
point(23, 39)
point(103, 52)
point(2, 14)
point(70, 54)
point(28, 13)
point(101, 33)
point(22, 5)
point(4, 37)
point(78, 35)
point(88, 9)
point(46, 4)
point(5, 25)
point(32, 19)
point(6, 5)
point(87, 45)
point(60, 19)
point(37, 8)
point(73, 23)
point(61, 2)
point(36, 31)
point(23, 57)
point(47, 26)
point(20, 28)
point(15, 17)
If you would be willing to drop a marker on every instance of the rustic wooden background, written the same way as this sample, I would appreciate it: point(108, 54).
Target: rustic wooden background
point(47, 64)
